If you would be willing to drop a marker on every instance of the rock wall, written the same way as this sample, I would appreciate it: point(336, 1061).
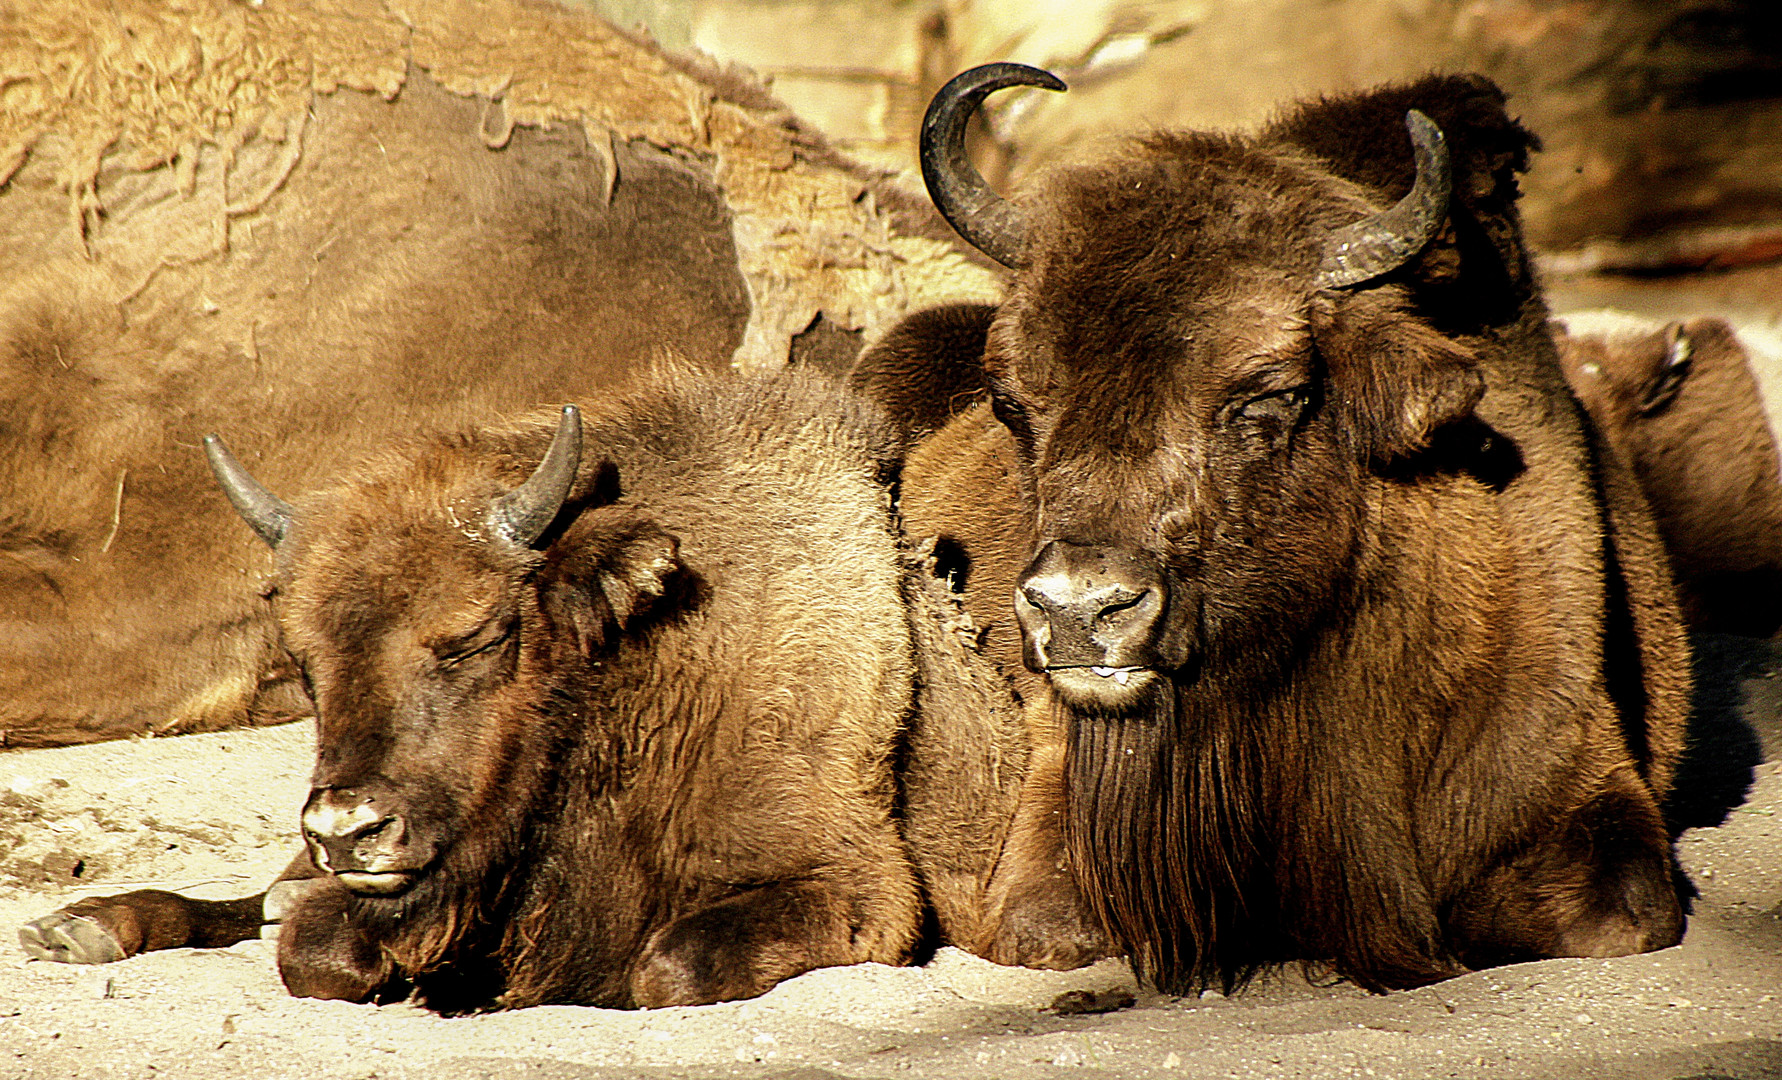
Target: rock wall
point(1662, 118)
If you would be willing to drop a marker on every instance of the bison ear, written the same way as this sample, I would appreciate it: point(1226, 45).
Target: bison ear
point(638, 570)
point(607, 570)
point(1397, 380)
point(1667, 377)
point(1478, 264)
point(928, 368)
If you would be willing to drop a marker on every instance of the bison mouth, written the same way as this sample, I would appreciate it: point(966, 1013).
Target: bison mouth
point(376, 882)
point(1100, 688)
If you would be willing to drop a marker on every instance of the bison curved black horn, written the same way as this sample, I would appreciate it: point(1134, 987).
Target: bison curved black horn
point(269, 515)
point(524, 513)
point(1385, 241)
point(969, 204)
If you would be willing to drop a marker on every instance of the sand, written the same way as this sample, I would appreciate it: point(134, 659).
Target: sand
point(215, 815)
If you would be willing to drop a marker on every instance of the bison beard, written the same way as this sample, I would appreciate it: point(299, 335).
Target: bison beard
point(1139, 783)
point(1174, 823)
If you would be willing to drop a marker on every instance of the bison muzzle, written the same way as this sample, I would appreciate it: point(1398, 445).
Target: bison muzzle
point(1094, 619)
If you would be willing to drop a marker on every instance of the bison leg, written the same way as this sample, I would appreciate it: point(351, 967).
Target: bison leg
point(106, 928)
point(323, 954)
point(1037, 917)
point(101, 929)
point(744, 946)
point(1602, 883)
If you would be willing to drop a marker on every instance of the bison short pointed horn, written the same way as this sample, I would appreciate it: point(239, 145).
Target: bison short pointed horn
point(1385, 241)
point(269, 515)
point(524, 513)
point(983, 217)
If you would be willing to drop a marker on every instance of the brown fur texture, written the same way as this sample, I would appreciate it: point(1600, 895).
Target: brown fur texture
point(717, 717)
point(1679, 403)
point(645, 761)
point(905, 374)
point(1419, 680)
point(350, 326)
point(985, 846)
point(318, 225)
point(655, 754)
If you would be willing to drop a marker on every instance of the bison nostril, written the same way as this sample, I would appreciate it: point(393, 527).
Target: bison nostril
point(368, 831)
point(342, 815)
point(1088, 606)
point(343, 847)
point(1113, 608)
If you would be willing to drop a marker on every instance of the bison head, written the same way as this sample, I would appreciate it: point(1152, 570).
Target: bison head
point(436, 606)
point(1200, 392)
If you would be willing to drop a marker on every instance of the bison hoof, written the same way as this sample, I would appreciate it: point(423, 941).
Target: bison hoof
point(69, 939)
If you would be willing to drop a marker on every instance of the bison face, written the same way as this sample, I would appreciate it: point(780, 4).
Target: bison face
point(443, 662)
point(437, 611)
point(1198, 395)
point(1199, 421)
point(409, 641)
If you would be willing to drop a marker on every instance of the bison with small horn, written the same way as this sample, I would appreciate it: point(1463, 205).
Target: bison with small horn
point(604, 716)
point(1354, 643)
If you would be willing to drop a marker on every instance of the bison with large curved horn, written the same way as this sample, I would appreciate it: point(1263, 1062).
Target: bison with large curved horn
point(1375, 245)
point(1352, 642)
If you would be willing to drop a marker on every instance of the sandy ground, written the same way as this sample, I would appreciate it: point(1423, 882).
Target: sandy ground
point(215, 815)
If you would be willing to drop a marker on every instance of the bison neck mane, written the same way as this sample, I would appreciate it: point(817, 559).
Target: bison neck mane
point(1162, 826)
point(1210, 837)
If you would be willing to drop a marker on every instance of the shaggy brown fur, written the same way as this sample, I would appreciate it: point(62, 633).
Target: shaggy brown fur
point(648, 763)
point(984, 841)
point(900, 372)
point(1679, 403)
point(1420, 678)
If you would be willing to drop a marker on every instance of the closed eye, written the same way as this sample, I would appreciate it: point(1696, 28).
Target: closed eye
point(1279, 407)
point(485, 638)
point(1010, 413)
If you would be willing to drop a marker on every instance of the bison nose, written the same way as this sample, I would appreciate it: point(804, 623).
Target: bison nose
point(348, 831)
point(1083, 605)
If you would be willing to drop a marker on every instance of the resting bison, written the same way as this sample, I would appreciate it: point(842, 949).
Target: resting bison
point(1679, 402)
point(618, 732)
point(1360, 646)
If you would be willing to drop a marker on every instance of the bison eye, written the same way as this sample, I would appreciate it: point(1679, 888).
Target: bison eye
point(1276, 412)
point(483, 640)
